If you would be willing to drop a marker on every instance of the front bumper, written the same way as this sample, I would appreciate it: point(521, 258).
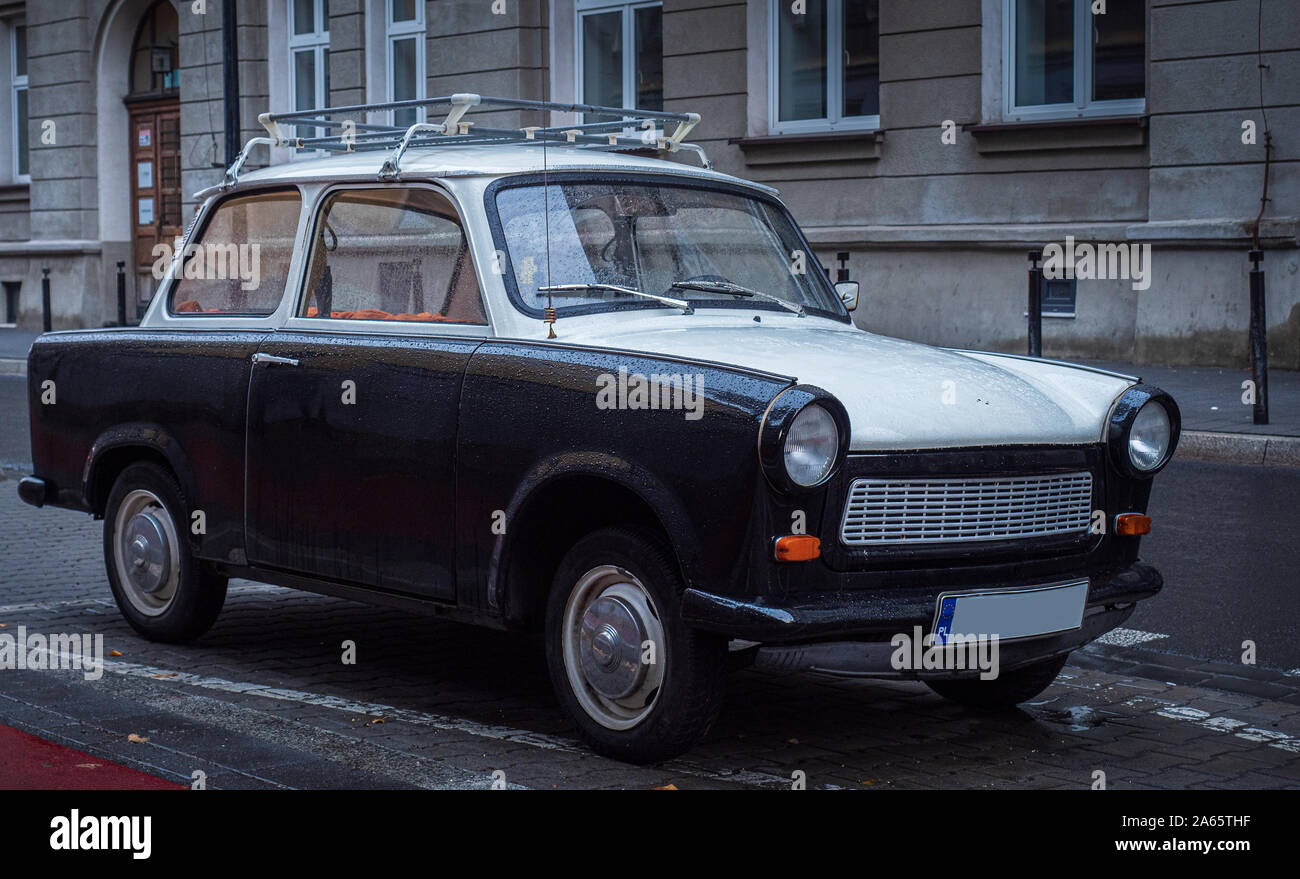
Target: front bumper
point(873, 659)
point(879, 614)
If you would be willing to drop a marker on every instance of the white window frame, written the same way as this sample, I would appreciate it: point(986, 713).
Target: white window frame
point(584, 8)
point(318, 41)
point(401, 30)
point(18, 84)
point(834, 121)
point(1083, 106)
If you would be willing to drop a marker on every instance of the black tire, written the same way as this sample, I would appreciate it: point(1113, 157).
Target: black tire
point(196, 594)
point(1005, 691)
point(688, 695)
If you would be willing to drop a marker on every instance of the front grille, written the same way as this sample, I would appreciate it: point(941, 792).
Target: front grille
point(920, 511)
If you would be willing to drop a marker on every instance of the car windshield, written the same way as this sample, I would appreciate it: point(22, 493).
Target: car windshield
point(684, 242)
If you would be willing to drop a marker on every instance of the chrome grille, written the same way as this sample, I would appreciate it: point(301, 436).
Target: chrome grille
point(942, 510)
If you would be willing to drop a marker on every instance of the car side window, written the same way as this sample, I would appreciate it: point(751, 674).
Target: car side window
point(391, 254)
point(239, 263)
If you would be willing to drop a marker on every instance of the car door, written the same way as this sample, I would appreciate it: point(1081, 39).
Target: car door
point(352, 406)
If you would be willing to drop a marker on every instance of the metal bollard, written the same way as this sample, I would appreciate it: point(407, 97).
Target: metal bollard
point(1035, 309)
point(121, 293)
point(1258, 338)
point(46, 317)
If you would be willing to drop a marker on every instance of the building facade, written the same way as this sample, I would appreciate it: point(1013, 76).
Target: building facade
point(936, 142)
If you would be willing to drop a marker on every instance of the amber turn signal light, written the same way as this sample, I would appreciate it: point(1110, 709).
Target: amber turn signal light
point(797, 548)
point(1132, 524)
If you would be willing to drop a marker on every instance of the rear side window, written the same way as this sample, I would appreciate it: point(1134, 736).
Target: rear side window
point(239, 263)
point(391, 254)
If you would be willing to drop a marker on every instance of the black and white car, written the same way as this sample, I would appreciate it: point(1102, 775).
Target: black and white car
point(529, 379)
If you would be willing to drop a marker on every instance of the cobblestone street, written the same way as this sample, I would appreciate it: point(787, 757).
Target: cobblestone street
point(264, 701)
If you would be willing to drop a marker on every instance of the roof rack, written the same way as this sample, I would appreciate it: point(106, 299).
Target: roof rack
point(630, 129)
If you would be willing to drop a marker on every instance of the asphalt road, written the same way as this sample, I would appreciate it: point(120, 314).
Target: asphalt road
point(1226, 538)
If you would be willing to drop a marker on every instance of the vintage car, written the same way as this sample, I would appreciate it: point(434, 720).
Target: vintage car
point(544, 379)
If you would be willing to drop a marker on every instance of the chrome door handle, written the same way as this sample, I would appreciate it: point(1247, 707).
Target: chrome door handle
point(259, 357)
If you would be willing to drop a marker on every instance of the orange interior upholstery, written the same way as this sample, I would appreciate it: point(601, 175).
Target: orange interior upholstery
point(191, 306)
point(376, 314)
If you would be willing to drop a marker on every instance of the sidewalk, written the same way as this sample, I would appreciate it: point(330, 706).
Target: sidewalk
point(1209, 397)
point(1217, 425)
point(14, 344)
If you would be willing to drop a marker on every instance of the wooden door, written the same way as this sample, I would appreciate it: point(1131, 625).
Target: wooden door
point(155, 185)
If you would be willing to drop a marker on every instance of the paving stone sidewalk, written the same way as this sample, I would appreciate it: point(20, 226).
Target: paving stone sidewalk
point(15, 342)
point(1210, 397)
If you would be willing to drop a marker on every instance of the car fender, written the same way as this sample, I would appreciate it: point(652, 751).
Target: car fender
point(626, 474)
point(143, 434)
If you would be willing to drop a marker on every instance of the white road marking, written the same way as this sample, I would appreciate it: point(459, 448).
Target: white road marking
point(418, 718)
point(56, 605)
point(1128, 637)
point(1238, 728)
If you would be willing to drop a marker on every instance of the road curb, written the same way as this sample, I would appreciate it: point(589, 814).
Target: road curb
point(12, 366)
point(1239, 448)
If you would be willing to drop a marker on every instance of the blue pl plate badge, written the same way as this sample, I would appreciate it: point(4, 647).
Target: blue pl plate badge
point(943, 627)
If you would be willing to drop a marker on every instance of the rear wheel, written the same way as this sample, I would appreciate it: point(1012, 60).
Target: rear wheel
point(1007, 690)
point(162, 590)
point(640, 684)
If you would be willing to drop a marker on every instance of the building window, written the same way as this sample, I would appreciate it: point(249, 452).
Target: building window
point(1059, 296)
point(405, 58)
point(154, 70)
point(18, 100)
point(824, 66)
point(1060, 60)
point(12, 292)
point(620, 55)
point(309, 57)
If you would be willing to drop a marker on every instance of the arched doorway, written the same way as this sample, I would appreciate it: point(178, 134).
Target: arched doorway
point(154, 139)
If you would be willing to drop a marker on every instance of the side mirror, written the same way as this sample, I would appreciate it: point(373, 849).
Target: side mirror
point(848, 291)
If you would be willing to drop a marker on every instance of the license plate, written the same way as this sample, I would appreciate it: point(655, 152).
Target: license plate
point(1010, 614)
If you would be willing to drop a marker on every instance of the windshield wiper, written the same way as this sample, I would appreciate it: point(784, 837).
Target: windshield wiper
point(730, 289)
point(685, 306)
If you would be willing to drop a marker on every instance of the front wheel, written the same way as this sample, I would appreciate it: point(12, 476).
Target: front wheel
point(1007, 690)
point(161, 589)
point(640, 684)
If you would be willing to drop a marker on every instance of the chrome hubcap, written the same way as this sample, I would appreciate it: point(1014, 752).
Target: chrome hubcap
point(610, 648)
point(146, 552)
point(614, 651)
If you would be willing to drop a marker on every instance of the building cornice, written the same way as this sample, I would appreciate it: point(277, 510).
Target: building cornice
point(52, 247)
point(1276, 233)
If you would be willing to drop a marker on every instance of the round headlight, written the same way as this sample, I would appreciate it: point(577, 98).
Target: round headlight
point(811, 446)
point(1148, 440)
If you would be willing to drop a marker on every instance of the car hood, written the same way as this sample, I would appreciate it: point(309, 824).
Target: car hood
point(899, 394)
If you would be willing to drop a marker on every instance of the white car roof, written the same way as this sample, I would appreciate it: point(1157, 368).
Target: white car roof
point(491, 160)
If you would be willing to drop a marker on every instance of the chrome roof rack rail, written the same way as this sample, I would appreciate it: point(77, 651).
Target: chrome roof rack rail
point(630, 129)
